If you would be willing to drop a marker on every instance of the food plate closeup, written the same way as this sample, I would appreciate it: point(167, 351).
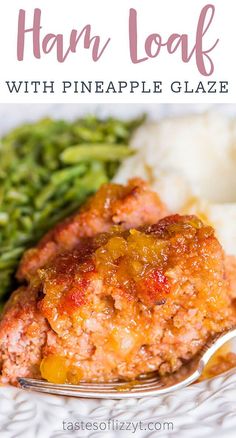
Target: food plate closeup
point(117, 270)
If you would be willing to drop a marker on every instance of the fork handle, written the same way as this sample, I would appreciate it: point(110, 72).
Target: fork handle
point(214, 343)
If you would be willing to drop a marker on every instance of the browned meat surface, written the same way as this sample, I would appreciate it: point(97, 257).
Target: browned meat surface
point(127, 206)
point(230, 263)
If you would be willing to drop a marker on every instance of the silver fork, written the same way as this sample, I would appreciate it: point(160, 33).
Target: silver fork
point(144, 386)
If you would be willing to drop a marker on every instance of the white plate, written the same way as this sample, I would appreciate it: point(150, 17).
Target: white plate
point(203, 410)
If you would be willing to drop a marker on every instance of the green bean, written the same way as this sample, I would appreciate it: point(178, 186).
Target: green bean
point(11, 254)
point(4, 217)
point(66, 174)
point(101, 152)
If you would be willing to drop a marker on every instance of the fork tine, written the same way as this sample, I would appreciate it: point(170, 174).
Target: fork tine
point(153, 389)
point(144, 381)
point(117, 386)
point(111, 393)
point(90, 393)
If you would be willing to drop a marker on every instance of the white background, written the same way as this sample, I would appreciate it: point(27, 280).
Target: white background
point(12, 115)
point(110, 19)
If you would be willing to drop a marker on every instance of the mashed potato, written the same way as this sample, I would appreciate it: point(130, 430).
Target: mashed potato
point(191, 162)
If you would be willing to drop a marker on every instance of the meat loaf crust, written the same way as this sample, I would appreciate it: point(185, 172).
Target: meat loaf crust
point(128, 206)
